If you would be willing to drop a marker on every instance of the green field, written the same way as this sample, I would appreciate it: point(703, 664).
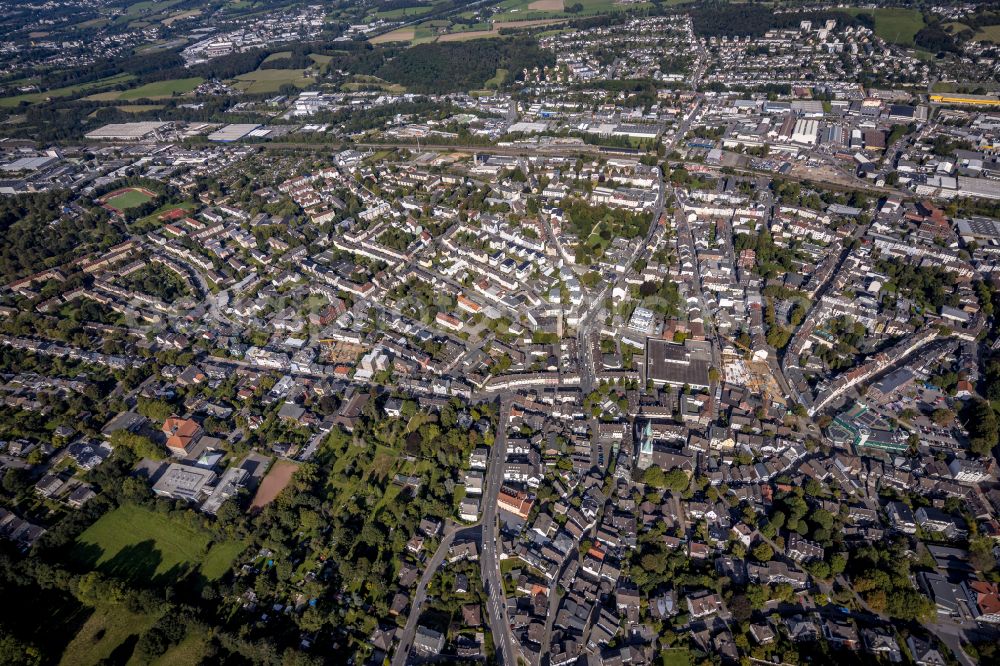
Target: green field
point(990, 33)
point(894, 25)
point(404, 12)
point(128, 199)
point(138, 108)
point(497, 79)
point(34, 98)
point(362, 82)
point(107, 629)
point(137, 544)
point(280, 55)
point(270, 80)
point(521, 10)
point(155, 90)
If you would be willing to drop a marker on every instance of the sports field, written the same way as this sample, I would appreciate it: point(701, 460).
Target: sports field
point(137, 544)
point(131, 197)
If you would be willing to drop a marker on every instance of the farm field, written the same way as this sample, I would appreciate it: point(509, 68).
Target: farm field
point(404, 12)
point(397, 35)
point(894, 25)
point(179, 16)
point(33, 98)
point(469, 35)
point(155, 90)
point(138, 544)
point(270, 80)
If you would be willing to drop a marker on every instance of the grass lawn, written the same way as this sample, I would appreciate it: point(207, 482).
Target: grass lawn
point(990, 33)
point(894, 24)
point(362, 82)
point(131, 108)
point(155, 90)
point(320, 59)
point(497, 79)
point(270, 80)
point(135, 543)
point(676, 657)
point(189, 652)
point(128, 199)
point(33, 98)
point(109, 634)
point(219, 558)
point(280, 55)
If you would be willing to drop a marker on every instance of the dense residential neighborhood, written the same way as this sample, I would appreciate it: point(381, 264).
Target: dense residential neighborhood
point(518, 332)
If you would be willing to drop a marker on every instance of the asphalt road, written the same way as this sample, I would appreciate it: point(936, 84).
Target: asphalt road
point(420, 596)
point(489, 559)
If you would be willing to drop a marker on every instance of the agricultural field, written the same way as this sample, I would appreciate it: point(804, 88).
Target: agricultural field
point(895, 25)
point(524, 10)
point(125, 199)
point(397, 35)
point(135, 543)
point(34, 98)
point(191, 13)
point(155, 90)
point(263, 81)
point(404, 13)
point(469, 35)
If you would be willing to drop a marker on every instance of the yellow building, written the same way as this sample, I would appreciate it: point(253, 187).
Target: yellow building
point(955, 98)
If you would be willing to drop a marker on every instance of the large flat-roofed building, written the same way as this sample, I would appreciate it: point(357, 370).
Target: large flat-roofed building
point(669, 363)
point(229, 485)
point(184, 482)
point(233, 132)
point(137, 131)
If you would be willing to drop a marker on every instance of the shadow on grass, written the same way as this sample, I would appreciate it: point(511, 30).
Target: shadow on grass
point(136, 563)
point(121, 654)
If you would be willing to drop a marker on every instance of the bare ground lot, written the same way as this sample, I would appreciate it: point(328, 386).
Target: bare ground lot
point(277, 478)
point(398, 35)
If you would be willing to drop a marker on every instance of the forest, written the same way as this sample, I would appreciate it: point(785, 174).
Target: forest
point(31, 242)
point(460, 66)
point(718, 19)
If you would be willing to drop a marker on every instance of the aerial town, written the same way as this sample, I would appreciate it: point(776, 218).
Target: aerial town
point(517, 332)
